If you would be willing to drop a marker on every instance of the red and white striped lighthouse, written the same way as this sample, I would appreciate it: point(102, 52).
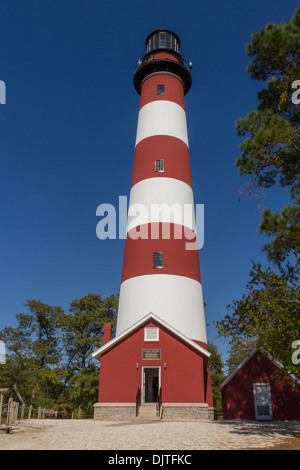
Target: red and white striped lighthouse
point(160, 273)
point(161, 304)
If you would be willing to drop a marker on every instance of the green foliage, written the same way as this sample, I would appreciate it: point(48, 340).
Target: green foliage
point(82, 333)
point(217, 376)
point(82, 327)
point(267, 316)
point(271, 149)
point(49, 360)
point(284, 227)
point(33, 352)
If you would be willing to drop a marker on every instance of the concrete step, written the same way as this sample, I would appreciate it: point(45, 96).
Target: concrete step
point(147, 412)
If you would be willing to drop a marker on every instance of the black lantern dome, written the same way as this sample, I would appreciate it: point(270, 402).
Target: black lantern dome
point(162, 40)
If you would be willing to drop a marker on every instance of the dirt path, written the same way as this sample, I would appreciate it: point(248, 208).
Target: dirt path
point(54, 434)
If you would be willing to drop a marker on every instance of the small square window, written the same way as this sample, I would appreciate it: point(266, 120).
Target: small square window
point(151, 334)
point(157, 260)
point(159, 165)
point(160, 89)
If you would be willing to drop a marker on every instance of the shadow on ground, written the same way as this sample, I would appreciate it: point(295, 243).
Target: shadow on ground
point(282, 428)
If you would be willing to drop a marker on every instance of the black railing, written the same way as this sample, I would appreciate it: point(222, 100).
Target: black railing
point(147, 67)
point(137, 401)
point(147, 60)
point(159, 402)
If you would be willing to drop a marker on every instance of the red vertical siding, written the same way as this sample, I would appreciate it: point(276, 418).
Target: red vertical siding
point(182, 380)
point(238, 398)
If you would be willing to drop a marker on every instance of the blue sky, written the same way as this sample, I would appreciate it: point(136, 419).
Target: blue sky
point(67, 136)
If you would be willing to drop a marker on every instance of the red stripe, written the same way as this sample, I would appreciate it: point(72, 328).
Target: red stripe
point(162, 55)
point(173, 90)
point(173, 151)
point(138, 253)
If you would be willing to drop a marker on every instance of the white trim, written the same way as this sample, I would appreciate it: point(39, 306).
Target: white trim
point(150, 316)
point(114, 404)
point(151, 328)
point(186, 405)
point(266, 403)
point(236, 370)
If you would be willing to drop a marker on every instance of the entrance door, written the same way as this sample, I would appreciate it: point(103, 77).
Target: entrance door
point(262, 400)
point(150, 384)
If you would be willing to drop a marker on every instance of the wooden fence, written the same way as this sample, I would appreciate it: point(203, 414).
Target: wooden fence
point(12, 411)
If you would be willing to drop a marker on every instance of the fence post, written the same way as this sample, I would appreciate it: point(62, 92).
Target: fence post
point(39, 412)
point(2, 392)
point(16, 410)
point(22, 410)
point(1, 405)
point(29, 412)
point(9, 412)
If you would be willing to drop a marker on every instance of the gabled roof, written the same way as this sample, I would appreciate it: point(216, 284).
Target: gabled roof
point(241, 365)
point(113, 342)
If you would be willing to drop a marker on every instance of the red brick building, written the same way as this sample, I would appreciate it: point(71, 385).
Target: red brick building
point(253, 391)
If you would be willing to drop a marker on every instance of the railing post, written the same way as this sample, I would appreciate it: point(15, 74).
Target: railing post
point(138, 401)
point(159, 402)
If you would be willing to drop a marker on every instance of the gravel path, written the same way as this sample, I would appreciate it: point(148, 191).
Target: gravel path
point(58, 434)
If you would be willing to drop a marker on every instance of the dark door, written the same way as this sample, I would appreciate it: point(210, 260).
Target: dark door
point(151, 384)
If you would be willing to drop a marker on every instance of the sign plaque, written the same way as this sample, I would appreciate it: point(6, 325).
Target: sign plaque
point(151, 354)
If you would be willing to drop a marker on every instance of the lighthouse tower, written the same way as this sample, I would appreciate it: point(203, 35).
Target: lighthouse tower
point(159, 353)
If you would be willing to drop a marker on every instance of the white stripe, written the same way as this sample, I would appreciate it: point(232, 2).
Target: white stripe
point(161, 200)
point(177, 300)
point(162, 118)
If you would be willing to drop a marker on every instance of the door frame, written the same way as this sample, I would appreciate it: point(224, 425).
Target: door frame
point(143, 383)
point(267, 385)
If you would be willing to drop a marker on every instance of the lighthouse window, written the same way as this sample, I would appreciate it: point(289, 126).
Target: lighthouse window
point(151, 334)
point(160, 89)
point(162, 39)
point(159, 166)
point(157, 260)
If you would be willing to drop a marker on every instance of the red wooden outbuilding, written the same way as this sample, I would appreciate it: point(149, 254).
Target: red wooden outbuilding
point(255, 391)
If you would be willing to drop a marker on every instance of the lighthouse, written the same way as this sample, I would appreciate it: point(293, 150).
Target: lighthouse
point(158, 361)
